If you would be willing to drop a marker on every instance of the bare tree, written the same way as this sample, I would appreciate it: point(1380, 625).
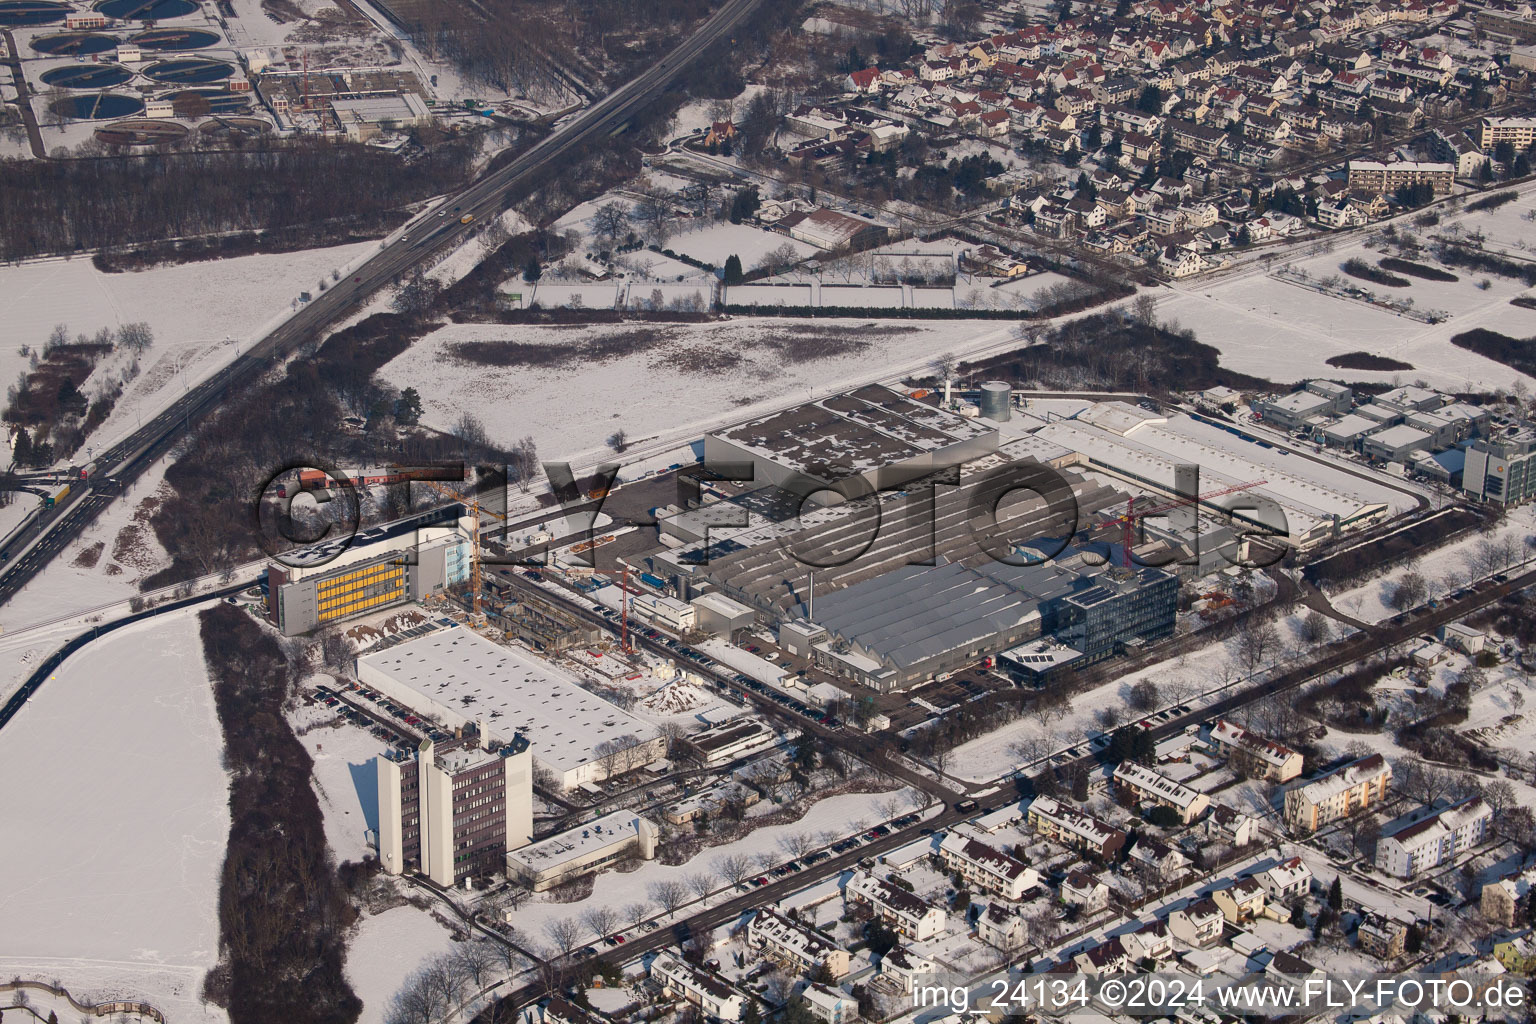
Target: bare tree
point(602, 919)
point(702, 883)
point(475, 960)
point(1409, 591)
point(797, 844)
point(1144, 696)
point(565, 933)
point(734, 867)
point(669, 895)
point(611, 223)
point(636, 913)
point(1315, 628)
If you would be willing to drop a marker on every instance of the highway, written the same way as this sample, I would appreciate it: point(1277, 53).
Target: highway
point(36, 545)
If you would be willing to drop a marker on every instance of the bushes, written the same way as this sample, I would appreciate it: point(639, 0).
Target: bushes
point(1493, 200)
point(1469, 258)
point(1417, 270)
point(1516, 353)
point(1357, 267)
point(1367, 361)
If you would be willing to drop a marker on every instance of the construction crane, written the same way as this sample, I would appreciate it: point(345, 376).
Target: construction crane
point(475, 510)
point(1127, 522)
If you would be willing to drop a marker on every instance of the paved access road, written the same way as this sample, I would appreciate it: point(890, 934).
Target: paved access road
point(28, 553)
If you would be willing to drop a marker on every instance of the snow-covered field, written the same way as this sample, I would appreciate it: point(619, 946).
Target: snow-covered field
point(201, 314)
point(718, 242)
point(571, 410)
point(1285, 333)
point(113, 856)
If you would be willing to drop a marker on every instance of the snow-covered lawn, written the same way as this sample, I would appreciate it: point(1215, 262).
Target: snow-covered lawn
point(1455, 562)
point(115, 847)
point(385, 950)
point(718, 242)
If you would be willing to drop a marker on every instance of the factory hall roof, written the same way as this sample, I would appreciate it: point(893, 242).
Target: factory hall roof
point(511, 691)
point(918, 612)
point(864, 429)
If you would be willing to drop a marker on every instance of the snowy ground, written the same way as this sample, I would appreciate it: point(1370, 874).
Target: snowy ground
point(345, 777)
point(1283, 332)
point(201, 314)
point(385, 950)
point(1193, 679)
point(114, 874)
point(1456, 562)
point(645, 394)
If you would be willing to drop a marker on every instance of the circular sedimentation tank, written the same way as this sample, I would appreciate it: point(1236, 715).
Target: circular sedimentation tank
point(189, 71)
point(219, 101)
point(31, 12)
point(141, 132)
point(74, 44)
point(171, 39)
point(146, 10)
point(97, 106)
point(87, 76)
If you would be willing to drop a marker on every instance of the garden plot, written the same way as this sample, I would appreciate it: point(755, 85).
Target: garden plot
point(1283, 332)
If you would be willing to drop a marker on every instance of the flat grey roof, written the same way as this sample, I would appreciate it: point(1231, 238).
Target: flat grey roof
point(919, 612)
point(512, 690)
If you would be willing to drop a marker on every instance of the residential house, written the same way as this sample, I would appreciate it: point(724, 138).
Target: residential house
point(905, 913)
point(699, 986)
point(905, 969)
point(1199, 924)
point(1241, 902)
point(828, 1004)
point(795, 944)
point(1226, 825)
point(1255, 755)
point(1108, 957)
point(1080, 889)
point(1381, 936)
point(999, 926)
point(1286, 880)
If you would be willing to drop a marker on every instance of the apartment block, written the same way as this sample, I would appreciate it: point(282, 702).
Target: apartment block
point(1150, 787)
point(1435, 840)
point(1073, 828)
point(1369, 177)
point(1338, 794)
point(987, 867)
point(905, 913)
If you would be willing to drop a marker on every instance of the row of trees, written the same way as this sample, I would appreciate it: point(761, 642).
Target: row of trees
point(58, 206)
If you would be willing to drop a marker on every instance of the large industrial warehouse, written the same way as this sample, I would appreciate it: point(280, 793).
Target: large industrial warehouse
point(460, 677)
point(874, 433)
